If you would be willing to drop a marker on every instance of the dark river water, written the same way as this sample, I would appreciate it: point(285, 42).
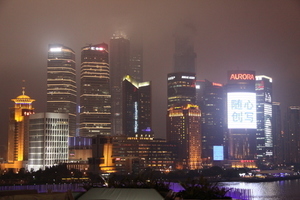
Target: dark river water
point(277, 190)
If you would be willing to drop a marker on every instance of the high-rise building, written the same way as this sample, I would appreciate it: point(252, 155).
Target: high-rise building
point(61, 83)
point(136, 107)
point(119, 67)
point(292, 136)
point(278, 142)
point(183, 116)
point(264, 137)
point(136, 60)
point(184, 56)
point(181, 89)
point(183, 129)
point(241, 114)
point(210, 98)
point(48, 140)
point(17, 137)
point(95, 98)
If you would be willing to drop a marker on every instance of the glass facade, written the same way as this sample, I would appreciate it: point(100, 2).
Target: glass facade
point(181, 89)
point(210, 98)
point(95, 98)
point(136, 107)
point(48, 140)
point(119, 67)
point(264, 137)
point(61, 83)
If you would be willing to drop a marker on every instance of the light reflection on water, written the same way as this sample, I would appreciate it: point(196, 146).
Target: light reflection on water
point(277, 190)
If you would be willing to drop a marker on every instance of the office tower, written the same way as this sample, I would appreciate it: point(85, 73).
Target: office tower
point(210, 98)
point(95, 98)
point(136, 108)
point(184, 56)
point(17, 137)
point(291, 135)
point(119, 67)
point(48, 140)
point(181, 89)
point(278, 142)
point(183, 129)
point(264, 137)
point(136, 60)
point(241, 114)
point(61, 83)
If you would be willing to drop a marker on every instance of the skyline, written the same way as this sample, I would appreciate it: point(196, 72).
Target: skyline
point(260, 36)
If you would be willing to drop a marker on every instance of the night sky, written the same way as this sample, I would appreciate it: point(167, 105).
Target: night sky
point(252, 35)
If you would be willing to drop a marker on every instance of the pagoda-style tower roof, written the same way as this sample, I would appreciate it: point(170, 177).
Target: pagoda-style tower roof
point(23, 99)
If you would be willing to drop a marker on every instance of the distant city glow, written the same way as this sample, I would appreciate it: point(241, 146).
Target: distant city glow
point(241, 111)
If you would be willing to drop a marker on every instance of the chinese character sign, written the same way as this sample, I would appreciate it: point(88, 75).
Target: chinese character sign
point(241, 110)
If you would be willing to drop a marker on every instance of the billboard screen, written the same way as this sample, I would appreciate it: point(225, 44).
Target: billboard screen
point(241, 110)
point(218, 153)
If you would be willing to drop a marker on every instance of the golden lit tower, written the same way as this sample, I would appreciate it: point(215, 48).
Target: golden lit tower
point(16, 133)
point(183, 129)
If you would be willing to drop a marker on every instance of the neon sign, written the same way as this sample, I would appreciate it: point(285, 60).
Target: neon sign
point(242, 77)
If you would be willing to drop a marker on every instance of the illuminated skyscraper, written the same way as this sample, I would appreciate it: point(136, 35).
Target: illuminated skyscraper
point(264, 137)
point(136, 108)
point(183, 129)
point(119, 67)
point(48, 140)
point(181, 89)
point(210, 98)
point(241, 114)
point(61, 83)
point(183, 116)
point(17, 137)
point(95, 98)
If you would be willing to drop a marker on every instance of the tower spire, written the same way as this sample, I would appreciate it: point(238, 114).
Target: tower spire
point(23, 88)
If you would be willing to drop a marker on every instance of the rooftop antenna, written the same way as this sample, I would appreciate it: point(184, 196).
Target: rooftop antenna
point(23, 88)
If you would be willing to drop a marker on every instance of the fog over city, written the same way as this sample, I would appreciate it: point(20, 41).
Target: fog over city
point(263, 36)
